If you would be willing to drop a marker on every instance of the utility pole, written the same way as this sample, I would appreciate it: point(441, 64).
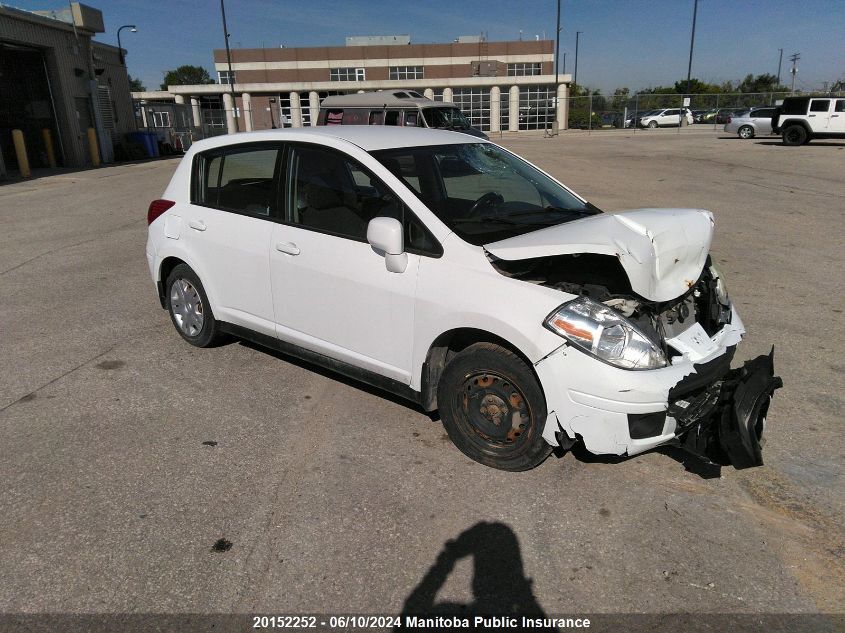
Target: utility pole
point(780, 62)
point(564, 62)
point(794, 59)
point(557, 67)
point(229, 61)
point(575, 79)
point(691, 44)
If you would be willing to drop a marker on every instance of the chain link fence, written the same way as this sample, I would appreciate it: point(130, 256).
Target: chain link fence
point(600, 112)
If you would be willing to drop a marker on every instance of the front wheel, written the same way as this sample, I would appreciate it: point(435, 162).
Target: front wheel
point(652, 124)
point(746, 131)
point(189, 309)
point(493, 408)
point(794, 135)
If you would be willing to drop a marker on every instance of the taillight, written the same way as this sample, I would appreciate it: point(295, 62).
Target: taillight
point(157, 207)
point(729, 120)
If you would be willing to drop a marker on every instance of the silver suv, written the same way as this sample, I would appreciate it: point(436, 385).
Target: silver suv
point(800, 119)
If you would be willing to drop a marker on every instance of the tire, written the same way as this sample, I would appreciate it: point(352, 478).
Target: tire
point(746, 131)
point(652, 124)
point(189, 309)
point(482, 388)
point(794, 135)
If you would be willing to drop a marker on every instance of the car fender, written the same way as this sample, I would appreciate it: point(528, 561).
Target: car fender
point(176, 248)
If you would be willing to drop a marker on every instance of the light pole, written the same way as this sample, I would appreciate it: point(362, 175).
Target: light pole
point(557, 59)
point(780, 62)
point(691, 44)
point(229, 61)
point(134, 29)
point(575, 78)
point(272, 120)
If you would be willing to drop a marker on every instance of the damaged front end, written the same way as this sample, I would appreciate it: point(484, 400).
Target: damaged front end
point(723, 421)
point(675, 386)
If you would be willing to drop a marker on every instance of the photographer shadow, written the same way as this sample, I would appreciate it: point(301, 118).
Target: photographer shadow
point(499, 584)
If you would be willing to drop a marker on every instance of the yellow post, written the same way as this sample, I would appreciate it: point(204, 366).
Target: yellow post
point(20, 152)
point(93, 148)
point(48, 147)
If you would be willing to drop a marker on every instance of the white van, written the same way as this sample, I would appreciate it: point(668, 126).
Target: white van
point(405, 108)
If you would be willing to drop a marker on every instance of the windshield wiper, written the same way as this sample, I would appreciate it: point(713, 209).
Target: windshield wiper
point(499, 220)
point(516, 214)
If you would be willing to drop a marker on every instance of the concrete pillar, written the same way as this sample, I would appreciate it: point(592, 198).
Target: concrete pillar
point(563, 107)
point(144, 121)
point(180, 99)
point(195, 111)
point(495, 109)
point(314, 106)
point(428, 93)
point(295, 110)
point(229, 107)
point(447, 94)
point(247, 111)
point(513, 109)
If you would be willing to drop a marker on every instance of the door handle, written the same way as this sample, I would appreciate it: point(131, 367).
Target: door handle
point(288, 247)
point(197, 225)
point(833, 115)
point(811, 115)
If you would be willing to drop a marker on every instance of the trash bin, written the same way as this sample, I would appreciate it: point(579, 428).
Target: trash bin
point(147, 140)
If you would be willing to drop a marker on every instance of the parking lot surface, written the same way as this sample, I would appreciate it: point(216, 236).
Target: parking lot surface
point(126, 454)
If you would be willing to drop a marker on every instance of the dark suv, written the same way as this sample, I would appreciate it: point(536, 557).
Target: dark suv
point(800, 119)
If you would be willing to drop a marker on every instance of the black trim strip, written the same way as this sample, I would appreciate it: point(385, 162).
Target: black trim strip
point(338, 366)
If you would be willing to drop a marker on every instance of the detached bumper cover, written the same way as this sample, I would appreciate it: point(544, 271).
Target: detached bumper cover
point(724, 421)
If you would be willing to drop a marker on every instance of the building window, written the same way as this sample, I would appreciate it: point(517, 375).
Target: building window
point(438, 94)
point(407, 72)
point(536, 107)
point(475, 104)
point(523, 70)
point(225, 77)
point(347, 74)
point(161, 119)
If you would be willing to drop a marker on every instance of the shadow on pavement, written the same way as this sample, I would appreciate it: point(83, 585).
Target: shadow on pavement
point(499, 585)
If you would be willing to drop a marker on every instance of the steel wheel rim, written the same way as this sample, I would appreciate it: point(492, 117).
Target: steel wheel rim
point(186, 307)
point(495, 411)
point(792, 135)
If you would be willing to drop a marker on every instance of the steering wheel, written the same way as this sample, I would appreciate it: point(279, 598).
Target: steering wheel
point(489, 199)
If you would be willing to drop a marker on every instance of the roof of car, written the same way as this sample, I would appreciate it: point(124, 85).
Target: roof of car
point(381, 99)
point(367, 137)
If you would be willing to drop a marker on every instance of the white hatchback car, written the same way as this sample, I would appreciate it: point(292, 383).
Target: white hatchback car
point(668, 117)
point(450, 271)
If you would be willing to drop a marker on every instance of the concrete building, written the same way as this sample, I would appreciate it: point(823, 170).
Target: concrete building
point(500, 86)
point(54, 76)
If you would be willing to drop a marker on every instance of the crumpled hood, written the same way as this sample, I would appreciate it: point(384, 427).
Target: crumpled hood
point(661, 250)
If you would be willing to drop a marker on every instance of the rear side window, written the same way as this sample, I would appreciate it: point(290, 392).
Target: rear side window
point(766, 113)
point(391, 117)
point(239, 179)
point(794, 106)
point(840, 105)
point(819, 105)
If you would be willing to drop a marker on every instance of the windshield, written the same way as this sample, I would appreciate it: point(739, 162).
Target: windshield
point(483, 192)
point(445, 118)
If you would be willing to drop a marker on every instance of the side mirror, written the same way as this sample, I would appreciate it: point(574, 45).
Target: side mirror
point(385, 236)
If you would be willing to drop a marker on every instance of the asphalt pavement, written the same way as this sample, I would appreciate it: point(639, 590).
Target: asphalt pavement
point(126, 455)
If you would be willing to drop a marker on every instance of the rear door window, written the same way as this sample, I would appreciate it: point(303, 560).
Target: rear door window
point(820, 105)
point(242, 179)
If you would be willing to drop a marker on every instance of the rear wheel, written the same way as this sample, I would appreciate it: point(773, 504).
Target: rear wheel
point(189, 309)
point(794, 135)
point(493, 408)
point(746, 131)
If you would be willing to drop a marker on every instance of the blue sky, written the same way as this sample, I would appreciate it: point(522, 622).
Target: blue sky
point(634, 43)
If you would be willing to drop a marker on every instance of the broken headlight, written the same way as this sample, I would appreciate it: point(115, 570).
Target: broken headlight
point(721, 287)
point(601, 331)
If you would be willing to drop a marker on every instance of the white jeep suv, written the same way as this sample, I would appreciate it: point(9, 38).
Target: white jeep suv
point(800, 119)
point(450, 271)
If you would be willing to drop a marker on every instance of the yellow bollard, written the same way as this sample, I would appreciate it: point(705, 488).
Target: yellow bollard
point(20, 152)
point(48, 147)
point(93, 148)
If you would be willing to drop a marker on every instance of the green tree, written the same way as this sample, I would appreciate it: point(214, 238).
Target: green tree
point(760, 83)
point(696, 87)
point(136, 85)
point(620, 98)
point(186, 76)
